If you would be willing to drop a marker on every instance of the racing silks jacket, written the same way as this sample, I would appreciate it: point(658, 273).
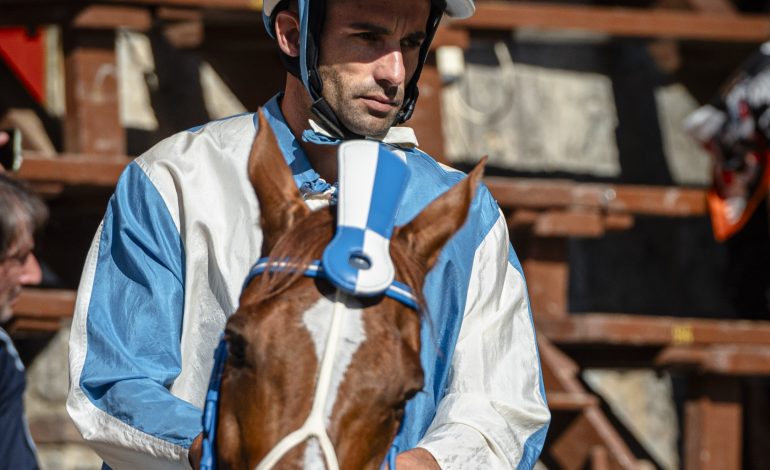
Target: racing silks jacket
point(166, 268)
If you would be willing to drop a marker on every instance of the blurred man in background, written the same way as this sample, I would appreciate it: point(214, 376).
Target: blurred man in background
point(21, 213)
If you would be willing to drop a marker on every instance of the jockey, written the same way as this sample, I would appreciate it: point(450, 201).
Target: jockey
point(182, 231)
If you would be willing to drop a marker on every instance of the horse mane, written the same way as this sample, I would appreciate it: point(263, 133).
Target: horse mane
point(306, 241)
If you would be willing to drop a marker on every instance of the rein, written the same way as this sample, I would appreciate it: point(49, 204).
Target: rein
point(314, 424)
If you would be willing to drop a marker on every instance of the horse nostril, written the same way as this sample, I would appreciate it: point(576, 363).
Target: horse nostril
point(360, 261)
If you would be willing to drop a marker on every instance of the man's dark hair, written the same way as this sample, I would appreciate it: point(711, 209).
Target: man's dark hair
point(20, 210)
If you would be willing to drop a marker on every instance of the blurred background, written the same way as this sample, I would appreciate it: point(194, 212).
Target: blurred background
point(654, 337)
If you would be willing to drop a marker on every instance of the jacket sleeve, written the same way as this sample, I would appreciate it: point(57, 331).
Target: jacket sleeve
point(125, 350)
point(494, 414)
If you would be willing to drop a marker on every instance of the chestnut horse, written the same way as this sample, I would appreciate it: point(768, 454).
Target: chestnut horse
point(273, 384)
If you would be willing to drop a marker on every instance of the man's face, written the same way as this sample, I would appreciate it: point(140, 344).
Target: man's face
point(369, 51)
point(18, 268)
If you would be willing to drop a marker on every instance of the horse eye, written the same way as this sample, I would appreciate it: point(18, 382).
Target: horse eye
point(236, 349)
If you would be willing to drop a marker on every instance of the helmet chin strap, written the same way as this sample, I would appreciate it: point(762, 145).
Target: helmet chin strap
point(330, 122)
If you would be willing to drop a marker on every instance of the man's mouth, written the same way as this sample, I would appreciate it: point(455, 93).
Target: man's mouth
point(380, 104)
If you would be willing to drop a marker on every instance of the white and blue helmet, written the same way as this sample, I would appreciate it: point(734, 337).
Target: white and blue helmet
point(304, 67)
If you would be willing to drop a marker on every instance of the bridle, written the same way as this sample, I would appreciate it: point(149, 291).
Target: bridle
point(372, 180)
point(314, 424)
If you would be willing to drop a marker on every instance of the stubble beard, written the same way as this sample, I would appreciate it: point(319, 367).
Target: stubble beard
point(341, 97)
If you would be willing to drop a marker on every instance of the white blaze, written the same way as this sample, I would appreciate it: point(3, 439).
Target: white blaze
point(318, 320)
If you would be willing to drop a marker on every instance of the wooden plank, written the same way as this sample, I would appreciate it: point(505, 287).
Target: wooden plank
point(547, 273)
point(73, 169)
point(34, 325)
point(45, 303)
point(112, 17)
point(637, 330)
point(713, 6)
point(620, 21)
point(558, 223)
point(713, 424)
point(559, 371)
point(208, 4)
point(728, 360)
point(560, 401)
point(571, 448)
point(642, 200)
point(92, 123)
point(80, 15)
point(600, 459)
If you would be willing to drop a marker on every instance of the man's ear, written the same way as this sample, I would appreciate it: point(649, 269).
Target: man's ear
point(287, 32)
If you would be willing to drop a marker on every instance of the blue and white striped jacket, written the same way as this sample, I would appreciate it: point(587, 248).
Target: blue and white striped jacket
point(165, 271)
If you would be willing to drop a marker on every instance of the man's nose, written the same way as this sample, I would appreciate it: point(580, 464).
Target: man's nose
point(31, 274)
point(390, 68)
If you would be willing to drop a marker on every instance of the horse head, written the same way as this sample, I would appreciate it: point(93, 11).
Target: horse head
point(270, 385)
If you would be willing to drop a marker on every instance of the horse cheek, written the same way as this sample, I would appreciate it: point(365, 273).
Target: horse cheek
point(229, 439)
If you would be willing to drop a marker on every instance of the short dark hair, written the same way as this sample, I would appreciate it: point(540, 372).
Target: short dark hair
point(20, 210)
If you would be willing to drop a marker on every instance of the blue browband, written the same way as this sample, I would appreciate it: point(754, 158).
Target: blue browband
point(396, 290)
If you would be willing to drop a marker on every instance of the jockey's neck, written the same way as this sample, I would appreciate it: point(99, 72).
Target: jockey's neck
point(295, 107)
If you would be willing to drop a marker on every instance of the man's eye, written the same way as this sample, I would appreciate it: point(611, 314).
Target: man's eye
point(21, 258)
point(411, 43)
point(369, 37)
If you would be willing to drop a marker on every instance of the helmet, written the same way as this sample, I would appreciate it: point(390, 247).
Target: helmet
point(304, 67)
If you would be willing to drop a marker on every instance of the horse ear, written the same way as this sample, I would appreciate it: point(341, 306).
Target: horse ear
point(280, 204)
point(427, 233)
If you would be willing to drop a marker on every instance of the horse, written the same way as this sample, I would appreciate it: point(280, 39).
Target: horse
point(280, 402)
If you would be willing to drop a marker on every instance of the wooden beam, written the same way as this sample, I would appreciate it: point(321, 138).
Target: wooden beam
point(208, 4)
point(713, 6)
point(572, 446)
point(92, 123)
point(73, 169)
point(619, 21)
point(41, 310)
point(547, 274)
point(112, 17)
point(559, 223)
point(81, 15)
point(713, 423)
point(631, 199)
point(45, 304)
point(560, 401)
point(24, 326)
point(658, 331)
point(728, 360)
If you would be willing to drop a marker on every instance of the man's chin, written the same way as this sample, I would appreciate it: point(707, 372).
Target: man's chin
point(371, 126)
